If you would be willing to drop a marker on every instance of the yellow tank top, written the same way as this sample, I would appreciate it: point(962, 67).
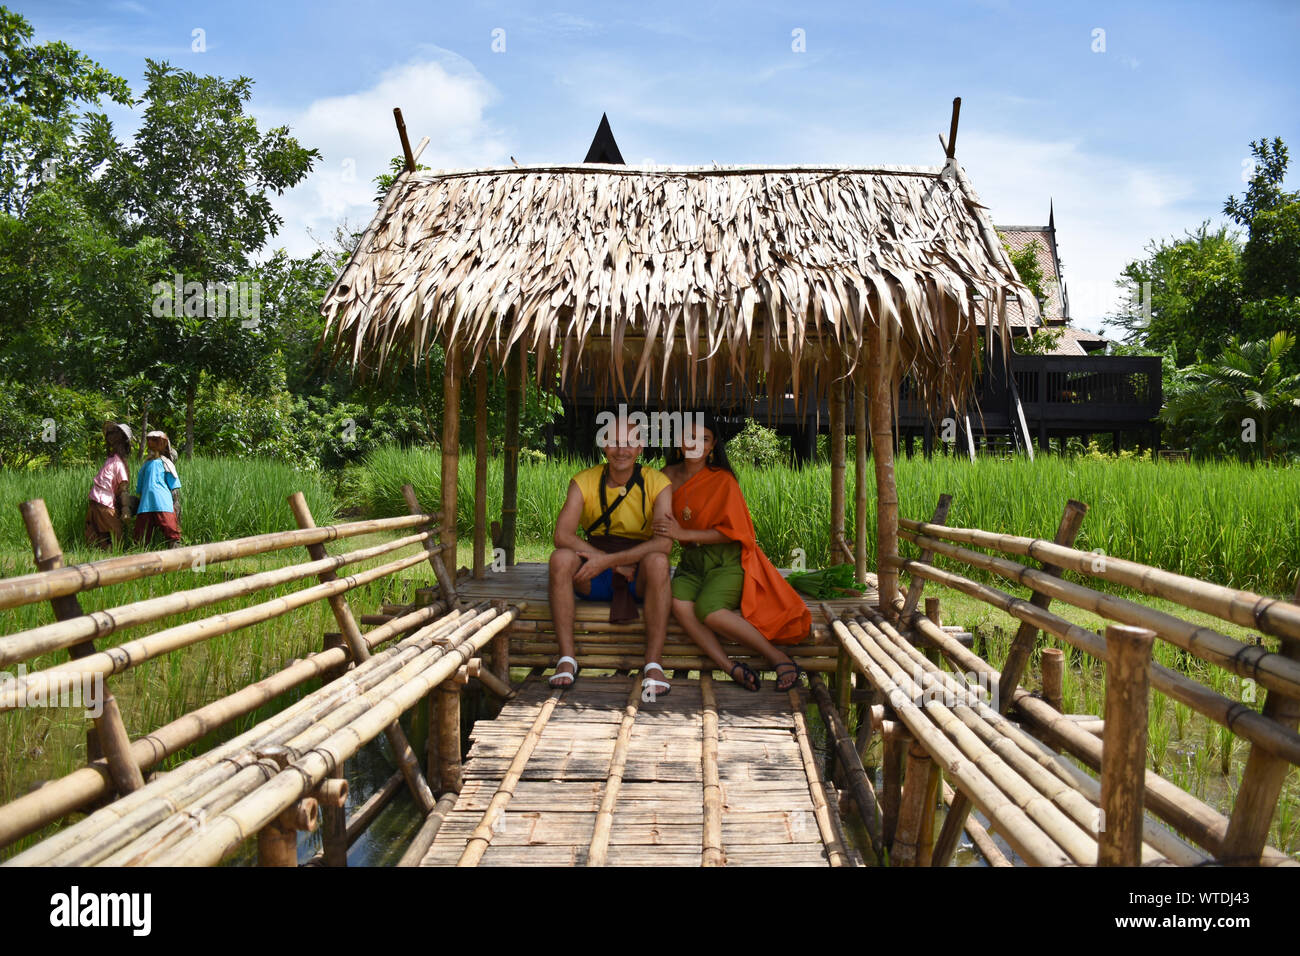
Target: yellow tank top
point(632, 518)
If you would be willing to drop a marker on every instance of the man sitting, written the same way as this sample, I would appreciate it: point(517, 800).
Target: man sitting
point(621, 559)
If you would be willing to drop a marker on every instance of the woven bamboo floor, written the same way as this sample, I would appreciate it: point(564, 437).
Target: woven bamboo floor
point(649, 765)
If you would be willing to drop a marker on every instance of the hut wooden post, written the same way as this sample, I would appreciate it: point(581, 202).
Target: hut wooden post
point(1262, 780)
point(107, 734)
point(332, 796)
point(891, 779)
point(501, 649)
point(446, 581)
point(1027, 635)
point(1124, 745)
point(480, 472)
point(360, 651)
point(516, 372)
point(837, 464)
point(450, 455)
point(880, 408)
point(447, 728)
point(860, 478)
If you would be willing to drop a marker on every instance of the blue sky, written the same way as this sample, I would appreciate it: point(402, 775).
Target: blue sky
point(1142, 139)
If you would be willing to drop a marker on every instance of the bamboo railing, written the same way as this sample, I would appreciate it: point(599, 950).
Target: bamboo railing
point(1127, 790)
point(237, 787)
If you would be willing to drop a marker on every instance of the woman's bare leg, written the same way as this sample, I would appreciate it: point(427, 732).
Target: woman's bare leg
point(704, 639)
point(734, 627)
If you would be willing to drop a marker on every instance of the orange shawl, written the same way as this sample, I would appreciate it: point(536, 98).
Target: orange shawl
point(712, 500)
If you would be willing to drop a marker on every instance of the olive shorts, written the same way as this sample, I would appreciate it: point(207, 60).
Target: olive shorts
point(711, 575)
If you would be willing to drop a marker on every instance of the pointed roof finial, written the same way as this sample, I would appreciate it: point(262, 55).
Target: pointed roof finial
point(1051, 215)
point(603, 148)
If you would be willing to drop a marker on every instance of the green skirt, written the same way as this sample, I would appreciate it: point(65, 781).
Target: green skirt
point(711, 575)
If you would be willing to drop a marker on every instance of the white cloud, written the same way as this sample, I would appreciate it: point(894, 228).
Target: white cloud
point(443, 98)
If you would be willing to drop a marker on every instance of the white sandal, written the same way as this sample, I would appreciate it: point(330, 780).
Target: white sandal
point(558, 673)
point(649, 692)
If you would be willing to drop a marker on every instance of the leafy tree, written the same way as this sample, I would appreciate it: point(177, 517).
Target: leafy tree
point(198, 176)
point(1215, 401)
point(1027, 267)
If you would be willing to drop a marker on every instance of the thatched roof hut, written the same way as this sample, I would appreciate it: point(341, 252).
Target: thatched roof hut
point(681, 279)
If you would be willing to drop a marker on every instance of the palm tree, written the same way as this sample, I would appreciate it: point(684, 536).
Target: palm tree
point(1246, 381)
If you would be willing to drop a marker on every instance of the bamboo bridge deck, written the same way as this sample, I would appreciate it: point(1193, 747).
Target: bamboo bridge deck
point(709, 774)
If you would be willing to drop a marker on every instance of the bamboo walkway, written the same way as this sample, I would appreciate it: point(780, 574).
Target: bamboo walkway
point(708, 775)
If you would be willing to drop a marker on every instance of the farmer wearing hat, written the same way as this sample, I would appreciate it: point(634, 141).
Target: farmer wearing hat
point(106, 508)
point(157, 485)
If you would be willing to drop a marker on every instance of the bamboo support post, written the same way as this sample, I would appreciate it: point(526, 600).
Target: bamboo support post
point(428, 831)
point(109, 735)
point(480, 473)
point(450, 455)
point(516, 372)
point(277, 842)
point(859, 784)
point(916, 586)
point(447, 729)
point(979, 836)
point(1262, 780)
point(912, 816)
point(880, 375)
point(1124, 745)
point(860, 441)
point(1053, 675)
point(481, 838)
point(837, 449)
point(360, 651)
point(332, 796)
point(835, 853)
point(1022, 645)
point(893, 750)
point(446, 580)
point(598, 852)
point(712, 853)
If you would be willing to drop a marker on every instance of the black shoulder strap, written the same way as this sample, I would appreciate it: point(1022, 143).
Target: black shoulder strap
point(608, 509)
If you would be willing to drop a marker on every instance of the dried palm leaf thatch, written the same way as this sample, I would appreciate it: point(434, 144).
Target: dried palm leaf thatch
point(686, 281)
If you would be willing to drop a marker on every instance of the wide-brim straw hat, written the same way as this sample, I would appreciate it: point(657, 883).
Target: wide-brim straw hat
point(171, 452)
point(122, 427)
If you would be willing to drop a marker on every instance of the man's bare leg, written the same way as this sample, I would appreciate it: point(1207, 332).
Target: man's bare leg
point(563, 566)
point(652, 584)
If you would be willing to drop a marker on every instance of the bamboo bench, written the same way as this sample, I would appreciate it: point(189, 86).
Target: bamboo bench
point(275, 778)
point(1047, 809)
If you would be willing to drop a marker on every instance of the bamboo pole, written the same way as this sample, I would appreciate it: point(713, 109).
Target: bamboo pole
point(301, 725)
point(1275, 616)
point(131, 653)
point(1242, 720)
point(402, 752)
point(480, 473)
point(1124, 745)
point(1262, 780)
point(448, 730)
point(911, 813)
point(984, 843)
point(837, 449)
point(631, 662)
point(226, 831)
point(423, 841)
point(35, 641)
point(1053, 675)
point(893, 751)
point(332, 796)
point(55, 583)
point(516, 372)
point(712, 852)
point(598, 852)
point(450, 453)
point(916, 586)
point(880, 375)
point(860, 442)
point(1190, 817)
point(446, 580)
point(110, 736)
point(864, 795)
point(482, 836)
point(496, 685)
point(821, 808)
point(1022, 646)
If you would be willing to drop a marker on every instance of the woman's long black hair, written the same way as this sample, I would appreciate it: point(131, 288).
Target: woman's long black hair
point(717, 457)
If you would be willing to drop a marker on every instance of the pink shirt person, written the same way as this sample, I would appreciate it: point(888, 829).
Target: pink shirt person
point(104, 486)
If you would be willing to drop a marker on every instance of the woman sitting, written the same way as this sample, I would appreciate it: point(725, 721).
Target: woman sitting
point(724, 584)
